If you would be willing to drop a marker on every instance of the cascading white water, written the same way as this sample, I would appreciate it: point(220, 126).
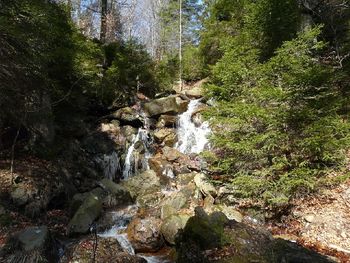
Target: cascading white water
point(110, 163)
point(192, 139)
point(131, 160)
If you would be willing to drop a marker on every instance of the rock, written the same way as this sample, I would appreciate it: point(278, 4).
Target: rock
point(171, 154)
point(196, 92)
point(128, 115)
point(129, 132)
point(108, 250)
point(86, 214)
point(144, 234)
point(208, 203)
point(310, 218)
point(230, 212)
point(206, 230)
point(158, 164)
point(161, 106)
point(166, 134)
point(168, 121)
point(150, 200)
point(33, 244)
point(176, 200)
point(166, 211)
point(117, 194)
point(182, 104)
point(253, 245)
point(170, 140)
point(145, 183)
point(172, 225)
point(185, 179)
point(20, 195)
point(204, 185)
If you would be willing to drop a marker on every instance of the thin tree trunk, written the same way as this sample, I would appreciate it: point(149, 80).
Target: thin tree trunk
point(103, 20)
point(180, 44)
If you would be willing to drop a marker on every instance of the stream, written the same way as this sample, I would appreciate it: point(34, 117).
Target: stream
point(192, 138)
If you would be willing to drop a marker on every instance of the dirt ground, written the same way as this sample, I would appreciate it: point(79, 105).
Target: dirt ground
point(321, 222)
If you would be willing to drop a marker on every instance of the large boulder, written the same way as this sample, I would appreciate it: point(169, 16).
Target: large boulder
point(216, 232)
point(145, 183)
point(117, 195)
point(196, 92)
point(128, 115)
point(34, 244)
point(204, 185)
point(172, 225)
point(87, 213)
point(107, 250)
point(171, 154)
point(167, 136)
point(144, 234)
point(182, 104)
point(161, 106)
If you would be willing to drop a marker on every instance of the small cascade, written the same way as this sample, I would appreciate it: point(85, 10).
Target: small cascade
point(192, 139)
point(132, 158)
point(110, 164)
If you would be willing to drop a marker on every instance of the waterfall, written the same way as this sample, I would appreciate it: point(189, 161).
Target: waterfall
point(132, 159)
point(192, 139)
point(110, 164)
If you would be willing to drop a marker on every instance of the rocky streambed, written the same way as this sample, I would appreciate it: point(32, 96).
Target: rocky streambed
point(153, 201)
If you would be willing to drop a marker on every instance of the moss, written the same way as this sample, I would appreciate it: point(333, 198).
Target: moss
point(5, 220)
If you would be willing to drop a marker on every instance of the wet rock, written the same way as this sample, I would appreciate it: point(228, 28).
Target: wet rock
point(167, 136)
point(182, 104)
point(129, 132)
point(86, 214)
point(161, 106)
point(34, 244)
point(171, 154)
point(172, 225)
point(204, 185)
point(117, 194)
point(170, 140)
point(168, 121)
point(145, 183)
point(158, 164)
point(144, 234)
point(108, 250)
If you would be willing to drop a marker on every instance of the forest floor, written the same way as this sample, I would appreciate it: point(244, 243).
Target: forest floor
point(320, 222)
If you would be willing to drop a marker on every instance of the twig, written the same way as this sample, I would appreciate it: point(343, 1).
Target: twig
point(13, 154)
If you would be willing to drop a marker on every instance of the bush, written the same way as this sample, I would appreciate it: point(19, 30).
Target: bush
point(277, 125)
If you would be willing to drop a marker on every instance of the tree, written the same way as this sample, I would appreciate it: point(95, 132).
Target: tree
point(103, 29)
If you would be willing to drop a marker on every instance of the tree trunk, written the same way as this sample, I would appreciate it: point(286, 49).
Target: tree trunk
point(103, 31)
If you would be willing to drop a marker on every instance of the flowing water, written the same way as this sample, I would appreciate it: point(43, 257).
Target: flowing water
point(192, 139)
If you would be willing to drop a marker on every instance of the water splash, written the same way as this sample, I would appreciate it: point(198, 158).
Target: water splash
point(192, 139)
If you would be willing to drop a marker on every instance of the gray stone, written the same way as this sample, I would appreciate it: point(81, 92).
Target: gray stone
point(86, 214)
point(204, 185)
point(172, 225)
point(144, 234)
point(161, 106)
point(145, 183)
point(117, 194)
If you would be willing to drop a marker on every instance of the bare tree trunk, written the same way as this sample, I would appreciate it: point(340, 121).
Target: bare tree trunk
point(180, 43)
point(103, 20)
